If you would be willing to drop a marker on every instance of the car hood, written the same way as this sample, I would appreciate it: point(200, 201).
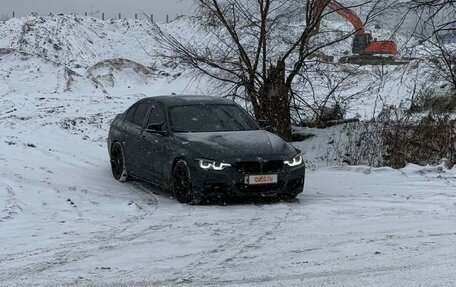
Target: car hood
point(236, 146)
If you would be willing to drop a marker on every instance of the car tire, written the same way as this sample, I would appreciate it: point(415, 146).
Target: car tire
point(118, 167)
point(181, 183)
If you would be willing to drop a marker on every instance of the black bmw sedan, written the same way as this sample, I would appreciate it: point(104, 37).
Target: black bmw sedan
point(202, 147)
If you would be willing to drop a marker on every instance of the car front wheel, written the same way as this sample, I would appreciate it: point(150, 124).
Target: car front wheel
point(182, 186)
point(118, 168)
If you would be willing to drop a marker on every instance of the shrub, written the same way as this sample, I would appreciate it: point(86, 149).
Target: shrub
point(399, 141)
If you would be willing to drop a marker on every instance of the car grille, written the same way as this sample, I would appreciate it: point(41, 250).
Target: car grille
point(256, 167)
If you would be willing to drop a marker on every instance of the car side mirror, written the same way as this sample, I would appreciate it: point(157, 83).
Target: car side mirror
point(156, 128)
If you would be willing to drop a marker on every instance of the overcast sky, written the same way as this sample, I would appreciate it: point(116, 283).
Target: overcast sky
point(111, 7)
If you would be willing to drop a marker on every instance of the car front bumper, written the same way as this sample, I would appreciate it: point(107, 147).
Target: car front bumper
point(232, 183)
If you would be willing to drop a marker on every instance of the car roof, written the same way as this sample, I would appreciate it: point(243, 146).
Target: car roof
point(183, 100)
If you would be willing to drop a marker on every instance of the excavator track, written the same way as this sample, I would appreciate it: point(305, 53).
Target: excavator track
point(372, 60)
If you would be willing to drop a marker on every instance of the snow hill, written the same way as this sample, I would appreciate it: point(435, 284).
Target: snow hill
point(75, 41)
point(98, 50)
point(112, 63)
point(117, 56)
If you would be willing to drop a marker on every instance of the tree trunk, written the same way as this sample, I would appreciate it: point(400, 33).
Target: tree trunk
point(275, 101)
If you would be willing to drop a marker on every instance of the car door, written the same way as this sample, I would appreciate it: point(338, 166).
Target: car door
point(154, 145)
point(132, 140)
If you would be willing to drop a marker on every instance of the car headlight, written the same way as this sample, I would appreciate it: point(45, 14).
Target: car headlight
point(212, 165)
point(296, 161)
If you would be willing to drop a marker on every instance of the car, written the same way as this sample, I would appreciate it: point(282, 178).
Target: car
point(202, 148)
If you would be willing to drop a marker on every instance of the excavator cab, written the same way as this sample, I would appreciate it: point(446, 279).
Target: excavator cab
point(361, 42)
point(364, 44)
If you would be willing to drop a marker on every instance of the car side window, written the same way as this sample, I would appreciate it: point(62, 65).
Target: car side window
point(131, 114)
point(140, 114)
point(156, 116)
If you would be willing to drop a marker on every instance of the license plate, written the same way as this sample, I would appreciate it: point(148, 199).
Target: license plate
point(261, 179)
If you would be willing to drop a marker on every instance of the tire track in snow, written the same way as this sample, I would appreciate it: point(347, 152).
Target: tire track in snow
point(69, 252)
point(12, 207)
point(105, 240)
point(258, 239)
point(242, 241)
point(324, 275)
point(149, 198)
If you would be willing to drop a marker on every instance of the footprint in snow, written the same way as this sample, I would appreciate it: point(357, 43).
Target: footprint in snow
point(71, 202)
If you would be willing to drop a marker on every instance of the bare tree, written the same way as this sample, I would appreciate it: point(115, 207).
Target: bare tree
point(443, 58)
point(259, 47)
point(442, 13)
point(438, 36)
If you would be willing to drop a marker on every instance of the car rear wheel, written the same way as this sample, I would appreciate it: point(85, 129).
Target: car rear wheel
point(118, 168)
point(182, 186)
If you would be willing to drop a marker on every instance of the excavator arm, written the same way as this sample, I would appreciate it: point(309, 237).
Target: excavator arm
point(348, 15)
point(343, 11)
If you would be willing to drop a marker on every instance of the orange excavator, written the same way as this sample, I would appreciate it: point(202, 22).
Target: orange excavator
point(365, 49)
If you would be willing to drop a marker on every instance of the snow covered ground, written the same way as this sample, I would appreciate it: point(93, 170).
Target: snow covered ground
point(64, 221)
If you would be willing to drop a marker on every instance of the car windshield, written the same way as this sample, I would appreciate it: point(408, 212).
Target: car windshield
point(210, 118)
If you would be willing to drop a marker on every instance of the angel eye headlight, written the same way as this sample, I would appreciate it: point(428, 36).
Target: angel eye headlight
point(296, 161)
point(205, 164)
point(212, 165)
